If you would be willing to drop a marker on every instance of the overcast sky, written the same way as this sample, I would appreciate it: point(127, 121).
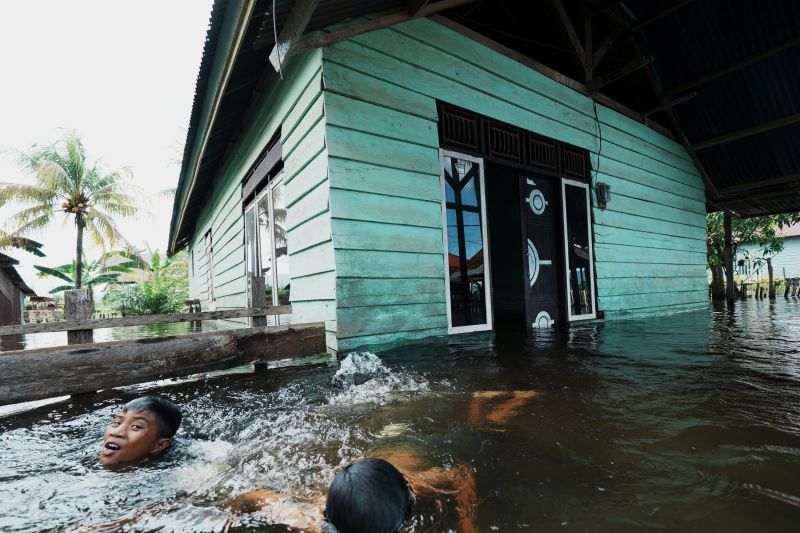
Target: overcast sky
point(120, 73)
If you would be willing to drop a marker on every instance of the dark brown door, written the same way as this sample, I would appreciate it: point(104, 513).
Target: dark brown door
point(537, 197)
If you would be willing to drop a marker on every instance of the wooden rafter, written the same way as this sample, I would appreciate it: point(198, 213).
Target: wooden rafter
point(292, 30)
point(588, 46)
point(670, 103)
point(660, 15)
point(789, 43)
point(711, 193)
point(327, 39)
point(748, 132)
point(619, 73)
point(413, 6)
point(570, 29)
point(601, 52)
point(770, 182)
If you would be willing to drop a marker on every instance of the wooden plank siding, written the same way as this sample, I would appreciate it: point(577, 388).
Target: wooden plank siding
point(294, 104)
point(380, 96)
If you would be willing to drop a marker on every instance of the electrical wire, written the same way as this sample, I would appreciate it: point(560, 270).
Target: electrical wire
point(275, 33)
point(600, 136)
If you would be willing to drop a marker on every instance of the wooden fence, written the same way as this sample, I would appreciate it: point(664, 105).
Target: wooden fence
point(84, 366)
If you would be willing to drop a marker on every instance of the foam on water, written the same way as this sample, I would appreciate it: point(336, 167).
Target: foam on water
point(366, 379)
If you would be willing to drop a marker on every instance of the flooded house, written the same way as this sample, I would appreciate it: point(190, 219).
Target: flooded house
point(401, 170)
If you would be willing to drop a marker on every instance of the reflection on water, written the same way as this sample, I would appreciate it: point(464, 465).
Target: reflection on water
point(59, 338)
point(687, 422)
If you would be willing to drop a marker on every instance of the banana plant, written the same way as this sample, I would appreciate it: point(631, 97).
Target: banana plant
point(93, 273)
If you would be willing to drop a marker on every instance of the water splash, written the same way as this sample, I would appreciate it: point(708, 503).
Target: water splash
point(367, 380)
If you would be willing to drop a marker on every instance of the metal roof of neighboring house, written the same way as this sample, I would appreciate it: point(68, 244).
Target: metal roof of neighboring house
point(723, 81)
point(7, 264)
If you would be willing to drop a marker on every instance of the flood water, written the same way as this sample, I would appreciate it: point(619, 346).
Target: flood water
point(685, 422)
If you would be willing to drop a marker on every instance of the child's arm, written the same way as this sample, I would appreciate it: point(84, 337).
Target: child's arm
point(282, 509)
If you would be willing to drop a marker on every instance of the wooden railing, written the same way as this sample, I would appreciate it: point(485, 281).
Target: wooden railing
point(142, 320)
point(85, 366)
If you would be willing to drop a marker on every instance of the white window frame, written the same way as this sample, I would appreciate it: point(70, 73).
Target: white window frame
point(253, 204)
point(209, 248)
point(488, 326)
point(583, 185)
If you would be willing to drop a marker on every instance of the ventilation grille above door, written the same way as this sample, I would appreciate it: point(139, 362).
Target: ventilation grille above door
point(464, 130)
point(574, 162)
point(542, 153)
point(504, 143)
point(458, 130)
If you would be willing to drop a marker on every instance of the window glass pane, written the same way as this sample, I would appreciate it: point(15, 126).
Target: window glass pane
point(251, 246)
point(579, 267)
point(464, 242)
point(449, 195)
point(281, 253)
point(469, 195)
point(265, 244)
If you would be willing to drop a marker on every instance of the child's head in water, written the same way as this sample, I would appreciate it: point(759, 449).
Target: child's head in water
point(368, 496)
point(145, 427)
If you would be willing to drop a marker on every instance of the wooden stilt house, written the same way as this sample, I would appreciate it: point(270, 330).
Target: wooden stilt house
point(402, 170)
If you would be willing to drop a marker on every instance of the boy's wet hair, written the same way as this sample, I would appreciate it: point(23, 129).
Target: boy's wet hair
point(167, 413)
point(368, 496)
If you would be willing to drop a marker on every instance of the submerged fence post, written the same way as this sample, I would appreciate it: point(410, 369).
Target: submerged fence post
point(771, 279)
point(78, 306)
point(258, 299)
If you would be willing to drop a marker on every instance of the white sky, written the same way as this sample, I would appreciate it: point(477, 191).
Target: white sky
point(120, 73)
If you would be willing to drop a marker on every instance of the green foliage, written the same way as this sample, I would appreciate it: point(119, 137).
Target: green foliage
point(756, 231)
point(165, 290)
point(94, 273)
point(66, 182)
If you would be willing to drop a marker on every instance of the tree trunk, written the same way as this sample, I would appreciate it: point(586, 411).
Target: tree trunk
point(730, 291)
point(717, 283)
point(771, 280)
point(79, 251)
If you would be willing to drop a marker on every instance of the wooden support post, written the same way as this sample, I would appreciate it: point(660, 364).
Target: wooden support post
point(728, 258)
point(771, 279)
point(258, 299)
point(78, 306)
point(743, 291)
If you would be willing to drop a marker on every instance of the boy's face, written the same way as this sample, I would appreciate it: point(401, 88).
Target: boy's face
point(133, 435)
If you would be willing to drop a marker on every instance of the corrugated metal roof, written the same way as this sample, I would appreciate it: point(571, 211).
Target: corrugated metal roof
point(706, 36)
point(7, 265)
point(699, 38)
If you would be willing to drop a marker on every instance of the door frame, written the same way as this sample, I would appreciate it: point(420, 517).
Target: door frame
point(487, 274)
point(583, 185)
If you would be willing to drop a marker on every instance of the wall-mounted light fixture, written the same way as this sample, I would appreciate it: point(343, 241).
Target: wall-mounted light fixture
point(603, 192)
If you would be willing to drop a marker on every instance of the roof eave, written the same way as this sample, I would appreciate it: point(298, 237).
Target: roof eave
point(223, 40)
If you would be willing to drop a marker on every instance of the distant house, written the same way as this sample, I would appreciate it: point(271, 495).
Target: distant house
point(13, 291)
point(784, 263)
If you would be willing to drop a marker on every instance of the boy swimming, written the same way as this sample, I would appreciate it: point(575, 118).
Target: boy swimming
point(144, 428)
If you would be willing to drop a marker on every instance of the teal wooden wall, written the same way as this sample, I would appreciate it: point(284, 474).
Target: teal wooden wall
point(296, 105)
point(380, 93)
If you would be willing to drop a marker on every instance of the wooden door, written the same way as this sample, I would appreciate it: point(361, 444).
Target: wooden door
point(537, 197)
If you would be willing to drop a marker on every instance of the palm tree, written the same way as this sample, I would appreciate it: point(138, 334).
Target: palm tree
point(66, 182)
point(157, 266)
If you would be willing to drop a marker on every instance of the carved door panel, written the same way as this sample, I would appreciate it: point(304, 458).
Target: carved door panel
point(539, 239)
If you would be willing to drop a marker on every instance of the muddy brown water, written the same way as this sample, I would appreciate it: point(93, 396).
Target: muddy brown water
point(686, 422)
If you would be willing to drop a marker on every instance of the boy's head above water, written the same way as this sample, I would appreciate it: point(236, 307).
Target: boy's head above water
point(145, 427)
